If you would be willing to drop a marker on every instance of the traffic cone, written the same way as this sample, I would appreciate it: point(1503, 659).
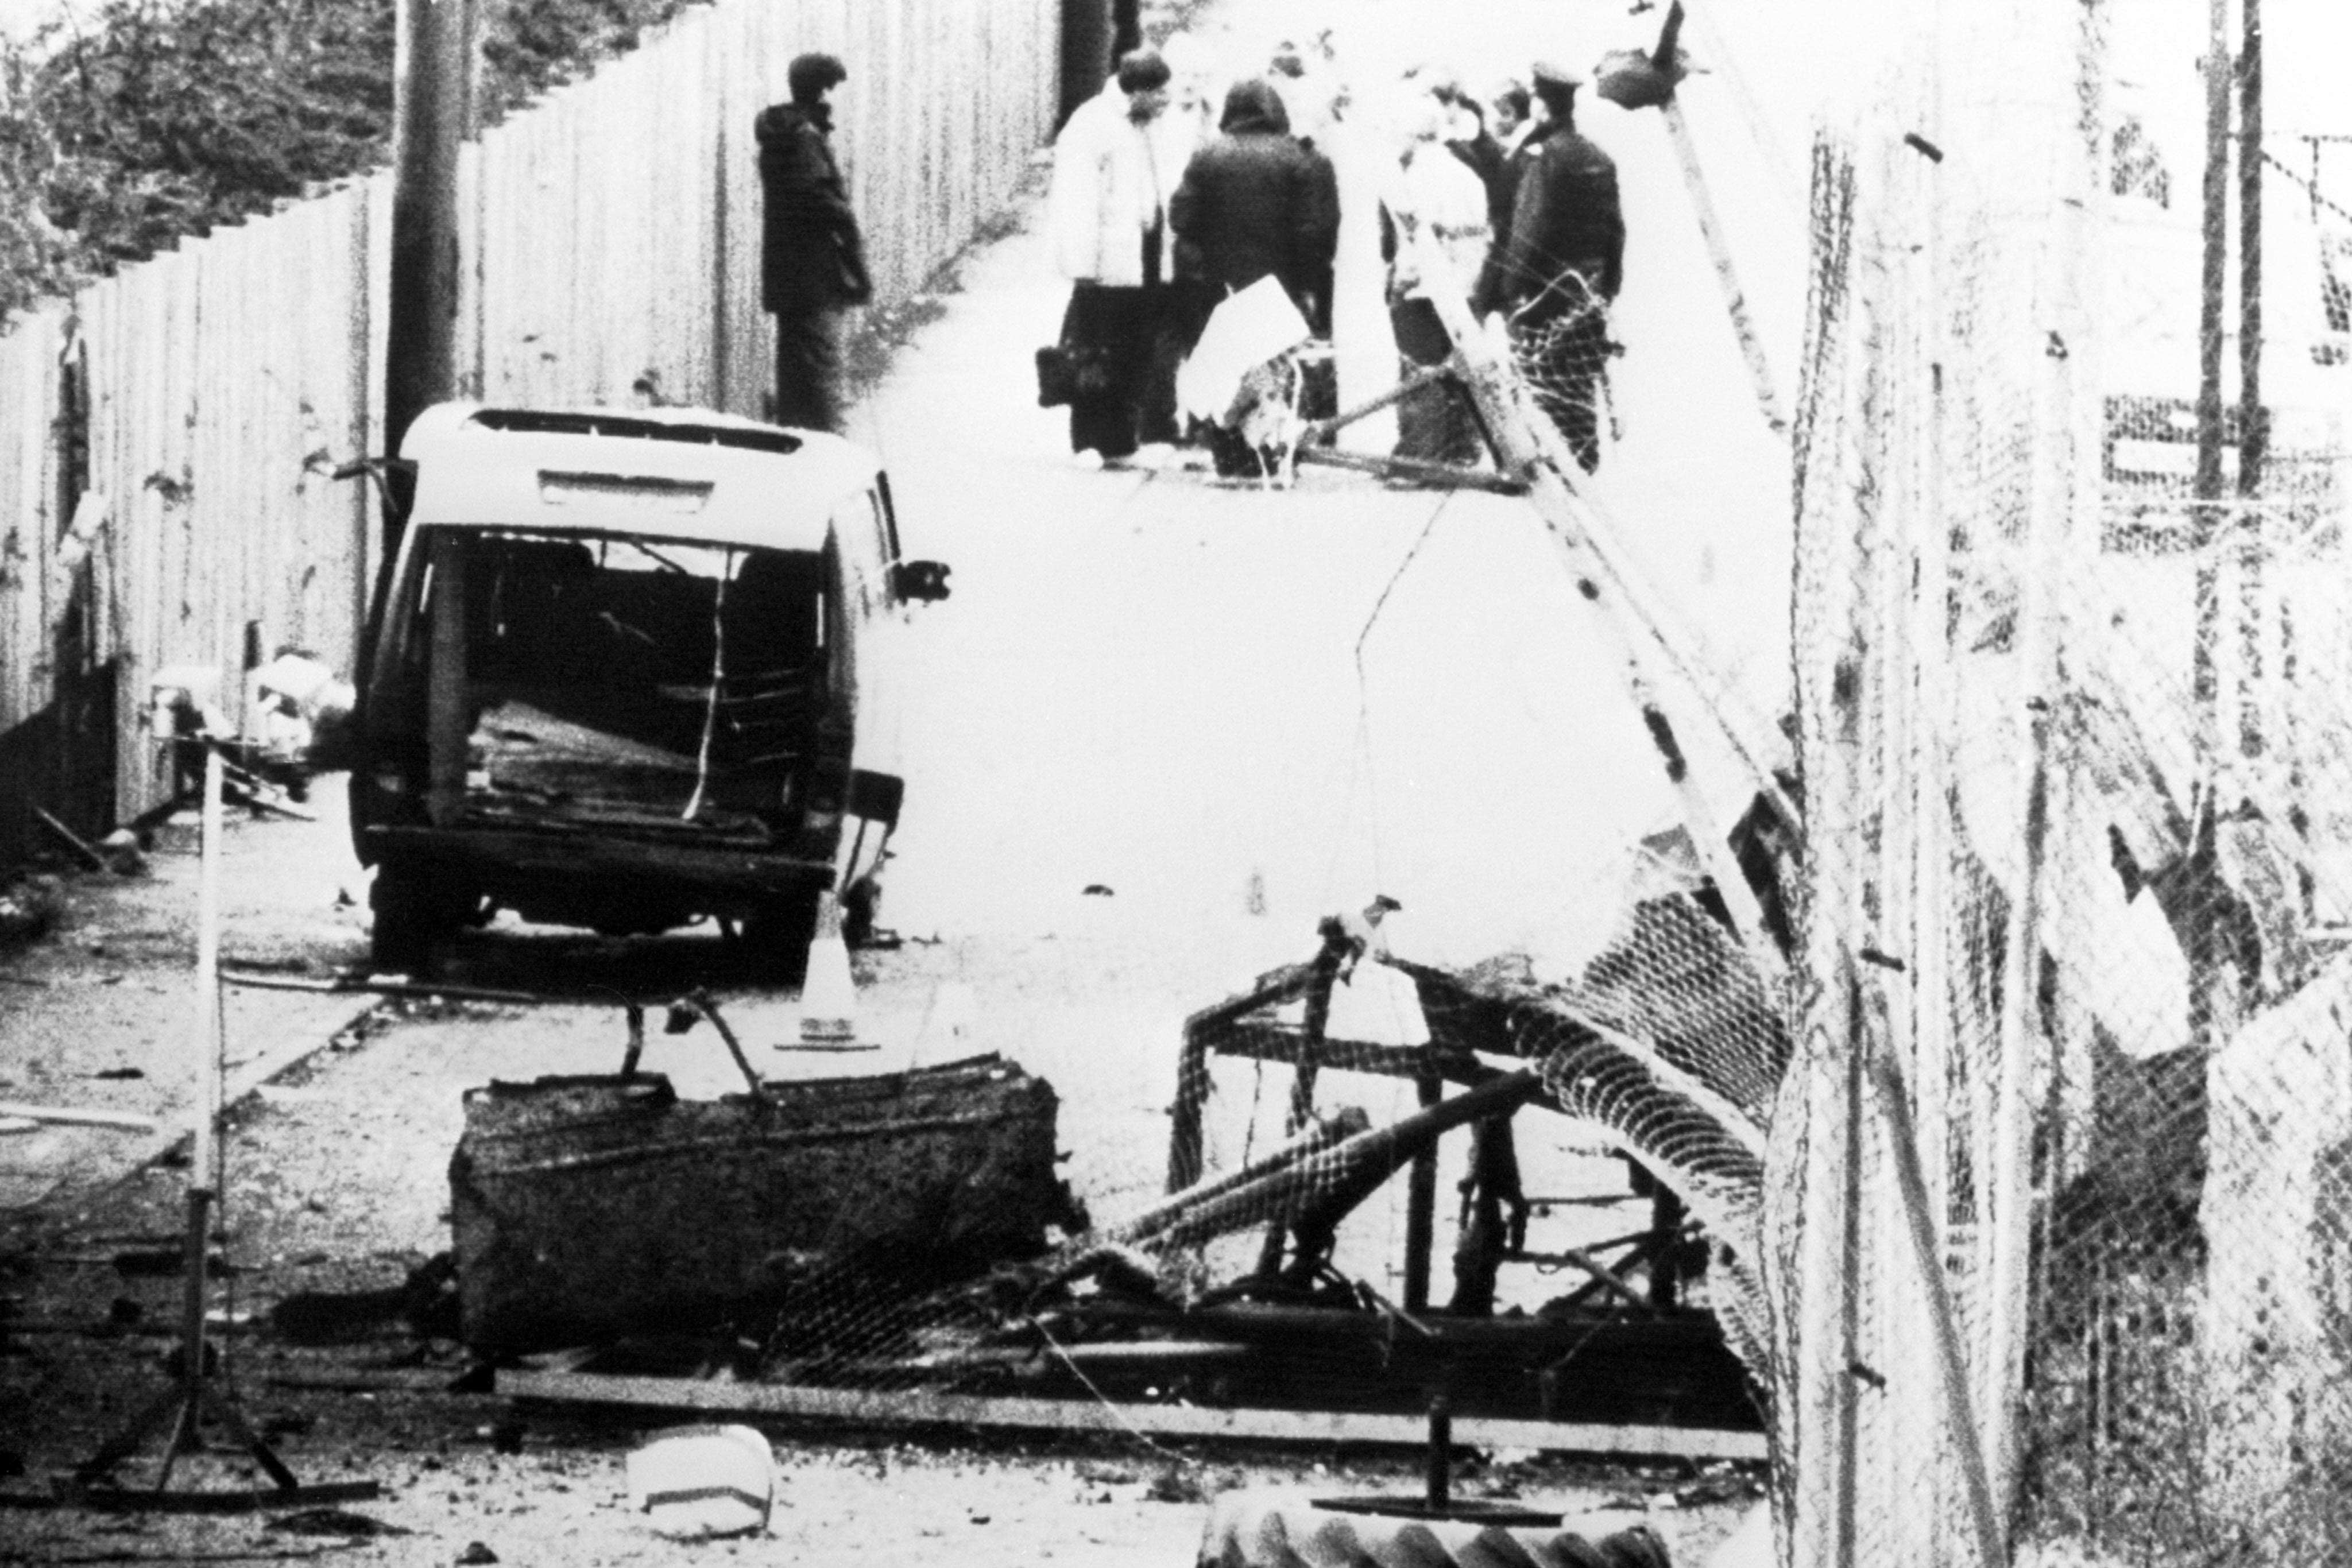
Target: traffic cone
point(828, 994)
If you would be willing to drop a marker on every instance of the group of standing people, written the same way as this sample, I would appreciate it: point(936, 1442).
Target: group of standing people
point(1155, 219)
point(1155, 222)
point(1156, 215)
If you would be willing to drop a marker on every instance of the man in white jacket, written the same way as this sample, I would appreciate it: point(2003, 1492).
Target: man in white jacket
point(1108, 211)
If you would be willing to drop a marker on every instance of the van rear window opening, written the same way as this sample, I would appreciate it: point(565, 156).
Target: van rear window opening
point(605, 675)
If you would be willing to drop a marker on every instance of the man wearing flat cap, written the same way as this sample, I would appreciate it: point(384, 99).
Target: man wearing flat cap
point(1553, 270)
point(812, 254)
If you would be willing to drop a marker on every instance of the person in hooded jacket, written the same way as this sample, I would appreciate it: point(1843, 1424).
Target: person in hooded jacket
point(1253, 201)
point(812, 253)
point(1108, 213)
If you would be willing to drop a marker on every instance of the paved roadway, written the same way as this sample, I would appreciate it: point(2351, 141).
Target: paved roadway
point(1235, 709)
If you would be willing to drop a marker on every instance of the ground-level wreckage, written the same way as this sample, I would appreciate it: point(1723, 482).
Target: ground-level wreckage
point(904, 1231)
point(1670, 1042)
point(1674, 1039)
point(926, 1295)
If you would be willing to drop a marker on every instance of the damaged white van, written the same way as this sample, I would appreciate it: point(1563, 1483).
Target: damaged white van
point(628, 670)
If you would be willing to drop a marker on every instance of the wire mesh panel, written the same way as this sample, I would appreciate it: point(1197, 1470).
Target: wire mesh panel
point(1563, 356)
point(2054, 1206)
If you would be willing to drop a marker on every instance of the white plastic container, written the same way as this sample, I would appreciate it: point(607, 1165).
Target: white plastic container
point(696, 1482)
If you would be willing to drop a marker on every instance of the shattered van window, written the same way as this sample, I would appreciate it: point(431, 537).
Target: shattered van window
point(616, 678)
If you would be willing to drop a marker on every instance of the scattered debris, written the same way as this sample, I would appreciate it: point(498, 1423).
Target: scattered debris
point(160, 1263)
point(29, 910)
point(1177, 1482)
point(425, 1303)
point(83, 850)
point(334, 1522)
point(124, 852)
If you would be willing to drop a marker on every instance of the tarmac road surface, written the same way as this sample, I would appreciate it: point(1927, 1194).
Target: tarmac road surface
point(1162, 727)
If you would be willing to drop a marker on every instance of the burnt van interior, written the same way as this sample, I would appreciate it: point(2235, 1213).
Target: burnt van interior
point(640, 685)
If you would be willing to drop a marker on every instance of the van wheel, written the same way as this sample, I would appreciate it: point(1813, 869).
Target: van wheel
point(776, 936)
point(411, 915)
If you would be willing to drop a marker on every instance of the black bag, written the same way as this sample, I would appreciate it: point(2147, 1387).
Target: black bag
point(1066, 372)
point(1057, 380)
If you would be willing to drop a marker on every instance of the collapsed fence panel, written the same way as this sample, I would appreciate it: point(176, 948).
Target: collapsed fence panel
point(2072, 1019)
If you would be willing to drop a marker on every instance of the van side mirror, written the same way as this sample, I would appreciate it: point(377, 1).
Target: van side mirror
point(926, 580)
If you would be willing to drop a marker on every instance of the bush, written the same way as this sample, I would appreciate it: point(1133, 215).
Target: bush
point(164, 121)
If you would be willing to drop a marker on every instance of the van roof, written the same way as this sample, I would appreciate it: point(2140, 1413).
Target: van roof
point(676, 473)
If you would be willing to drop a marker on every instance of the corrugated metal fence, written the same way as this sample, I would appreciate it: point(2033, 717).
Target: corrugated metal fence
point(609, 231)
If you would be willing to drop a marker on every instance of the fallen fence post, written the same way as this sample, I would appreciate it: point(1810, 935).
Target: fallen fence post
point(81, 847)
point(1154, 1420)
point(68, 1116)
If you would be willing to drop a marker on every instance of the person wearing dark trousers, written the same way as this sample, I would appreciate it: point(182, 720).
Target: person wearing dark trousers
point(1253, 202)
point(811, 254)
point(1555, 272)
point(1435, 237)
point(1106, 211)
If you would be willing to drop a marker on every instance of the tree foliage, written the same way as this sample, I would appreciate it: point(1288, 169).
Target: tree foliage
point(160, 119)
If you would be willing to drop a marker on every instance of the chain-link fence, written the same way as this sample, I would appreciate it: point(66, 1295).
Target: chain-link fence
point(1563, 354)
point(2054, 1225)
point(2009, 1091)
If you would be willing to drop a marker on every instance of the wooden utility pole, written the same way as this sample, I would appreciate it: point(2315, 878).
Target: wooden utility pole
point(2209, 343)
point(432, 85)
point(2206, 970)
point(2253, 424)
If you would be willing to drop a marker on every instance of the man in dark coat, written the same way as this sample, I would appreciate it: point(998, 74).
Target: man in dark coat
point(1555, 270)
point(812, 255)
point(1255, 202)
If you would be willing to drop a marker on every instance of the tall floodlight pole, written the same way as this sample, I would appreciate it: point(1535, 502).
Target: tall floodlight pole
point(430, 82)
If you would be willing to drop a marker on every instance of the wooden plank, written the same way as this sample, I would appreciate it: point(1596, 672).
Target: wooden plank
point(73, 842)
point(1147, 1420)
point(1448, 474)
point(69, 1116)
point(348, 985)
